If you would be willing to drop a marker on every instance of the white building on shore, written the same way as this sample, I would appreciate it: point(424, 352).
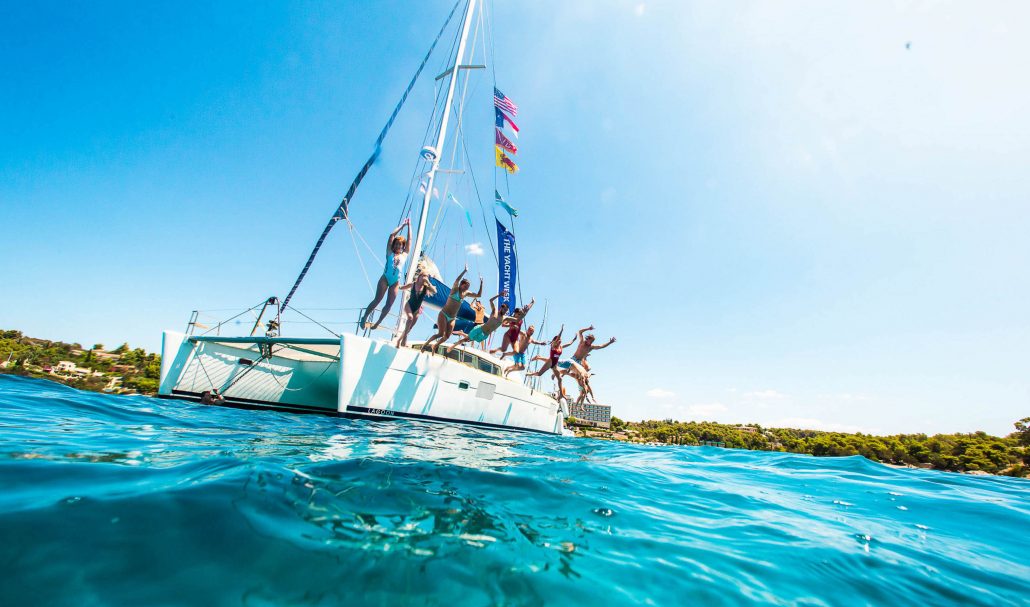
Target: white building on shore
point(592, 414)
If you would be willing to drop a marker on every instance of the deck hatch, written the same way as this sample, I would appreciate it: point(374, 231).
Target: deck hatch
point(485, 390)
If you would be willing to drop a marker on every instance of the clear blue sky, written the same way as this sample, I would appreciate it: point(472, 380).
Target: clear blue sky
point(784, 214)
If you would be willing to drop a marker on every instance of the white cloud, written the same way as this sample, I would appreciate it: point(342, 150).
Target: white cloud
point(660, 393)
point(639, 9)
point(474, 249)
point(706, 409)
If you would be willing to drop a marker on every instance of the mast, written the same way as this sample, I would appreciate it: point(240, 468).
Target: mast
point(438, 148)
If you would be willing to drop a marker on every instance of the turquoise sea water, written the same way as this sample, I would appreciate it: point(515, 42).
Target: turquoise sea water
point(109, 500)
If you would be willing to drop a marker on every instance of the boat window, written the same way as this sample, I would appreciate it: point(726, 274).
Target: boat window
point(469, 359)
point(488, 367)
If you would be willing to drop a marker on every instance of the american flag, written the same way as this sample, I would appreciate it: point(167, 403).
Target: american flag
point(502, 102)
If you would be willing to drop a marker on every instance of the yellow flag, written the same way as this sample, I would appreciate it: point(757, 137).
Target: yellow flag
point(504, 162)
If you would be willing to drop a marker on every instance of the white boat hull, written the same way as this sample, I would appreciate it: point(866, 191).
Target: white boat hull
point(357, 377)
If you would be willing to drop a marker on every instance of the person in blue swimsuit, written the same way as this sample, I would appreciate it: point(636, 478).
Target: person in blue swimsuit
point(396, 255)
point(449, 312)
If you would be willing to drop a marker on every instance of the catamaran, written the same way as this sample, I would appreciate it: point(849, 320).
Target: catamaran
point(361, 374)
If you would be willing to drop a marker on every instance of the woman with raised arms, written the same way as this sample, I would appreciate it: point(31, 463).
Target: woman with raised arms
point(396, 255)
point(421, 287)
point(449, 312)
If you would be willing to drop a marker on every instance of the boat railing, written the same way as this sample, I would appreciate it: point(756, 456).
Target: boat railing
point(293, 321)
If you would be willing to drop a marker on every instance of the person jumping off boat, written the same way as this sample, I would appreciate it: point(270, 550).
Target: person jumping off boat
point(421, 287)
point(396, 255)
point(583, 350)
point(577, 366)
point(449, 312)
point(551, 362)
point(480, 310)
point(480, 333)
point(518, 349)
point(514, 325)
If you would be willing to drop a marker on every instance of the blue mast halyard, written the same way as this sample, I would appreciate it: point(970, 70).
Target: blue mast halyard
point(341, 210)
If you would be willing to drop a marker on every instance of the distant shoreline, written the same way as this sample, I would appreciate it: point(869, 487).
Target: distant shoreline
point(126, 370)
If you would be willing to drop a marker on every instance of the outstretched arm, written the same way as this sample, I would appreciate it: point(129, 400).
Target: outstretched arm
point(529, 306)
point(574, 339)
point(457, 281)
point(407, 286)
point(478, 293)
point(394, 233)
point(610, 342)
point(407, 234)
point(584, 330)
point(493, 307)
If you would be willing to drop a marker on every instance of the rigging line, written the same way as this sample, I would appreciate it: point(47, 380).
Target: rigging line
point(440, 212)
point(316, 322)
point(250, 368)
point(341, 210)
point(421, 164)
point(479, 198)
point(457, 106)
point(518, 276)
point(200, 363)
point(328, 365)
point(371, 251)
point(357, 253)
point(220, 323)
point(493, 67)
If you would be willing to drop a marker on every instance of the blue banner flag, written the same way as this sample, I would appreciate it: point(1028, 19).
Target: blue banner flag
point(507, 266)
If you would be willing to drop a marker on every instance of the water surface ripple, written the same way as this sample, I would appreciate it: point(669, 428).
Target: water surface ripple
point(109, 500)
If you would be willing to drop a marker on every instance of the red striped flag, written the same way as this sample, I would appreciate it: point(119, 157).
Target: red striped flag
point(504, 142)
point(502, 102)
point(501, 118)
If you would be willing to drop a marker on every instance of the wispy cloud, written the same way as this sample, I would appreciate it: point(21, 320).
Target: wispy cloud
point(660, 393)
point(474, 249)
point(639, 9)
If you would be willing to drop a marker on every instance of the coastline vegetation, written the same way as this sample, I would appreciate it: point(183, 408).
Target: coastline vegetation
point(975, 452)
point(133, 370)
point(123, 370)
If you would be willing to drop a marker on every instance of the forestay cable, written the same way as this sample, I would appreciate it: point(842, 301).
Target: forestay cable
point(341, 210)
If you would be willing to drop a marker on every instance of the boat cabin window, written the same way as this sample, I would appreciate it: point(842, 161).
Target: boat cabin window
point(469, 359)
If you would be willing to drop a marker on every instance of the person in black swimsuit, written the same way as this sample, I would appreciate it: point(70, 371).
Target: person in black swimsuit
point(421, 287)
